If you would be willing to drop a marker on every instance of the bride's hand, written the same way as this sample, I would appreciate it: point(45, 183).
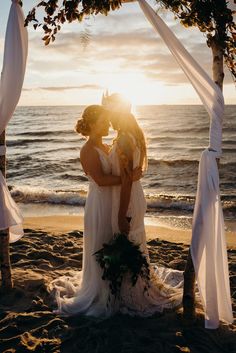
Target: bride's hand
point(137, 174)
point(124, 226)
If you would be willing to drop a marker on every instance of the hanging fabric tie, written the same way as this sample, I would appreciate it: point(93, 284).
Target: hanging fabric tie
point(208, 246)
point(12, 77)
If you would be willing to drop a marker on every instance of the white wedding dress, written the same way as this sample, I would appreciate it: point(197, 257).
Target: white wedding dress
point(84, 291)
point(165, 286)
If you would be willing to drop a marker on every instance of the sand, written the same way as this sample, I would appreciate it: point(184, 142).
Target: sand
point(64, 224)
point(51, 247)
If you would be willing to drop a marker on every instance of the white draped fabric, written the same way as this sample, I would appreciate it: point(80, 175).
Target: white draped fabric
point(209, 93)
point(208, 247)
point(12, 77)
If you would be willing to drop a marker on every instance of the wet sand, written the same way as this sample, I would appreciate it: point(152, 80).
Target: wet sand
point(64, 224)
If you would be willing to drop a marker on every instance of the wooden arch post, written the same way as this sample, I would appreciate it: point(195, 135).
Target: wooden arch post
point(13, 72)
point(5, 263)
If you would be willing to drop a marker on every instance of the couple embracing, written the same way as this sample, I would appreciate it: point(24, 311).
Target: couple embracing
point(115, 204)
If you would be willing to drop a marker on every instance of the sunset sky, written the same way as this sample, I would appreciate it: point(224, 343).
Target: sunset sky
point(123, 54)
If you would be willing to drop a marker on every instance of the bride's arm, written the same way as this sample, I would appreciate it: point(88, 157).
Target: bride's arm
point(126, 167)
point(92, 166)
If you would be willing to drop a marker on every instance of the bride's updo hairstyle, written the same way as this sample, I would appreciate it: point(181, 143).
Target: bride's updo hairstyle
point(89, 117)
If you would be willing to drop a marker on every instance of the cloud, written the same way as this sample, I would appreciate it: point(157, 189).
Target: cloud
point(142, 52)
point(119, 44)
point(65, 88)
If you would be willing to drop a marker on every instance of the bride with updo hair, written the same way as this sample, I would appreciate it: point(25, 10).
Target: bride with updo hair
point(89, 117)
point(85, 291)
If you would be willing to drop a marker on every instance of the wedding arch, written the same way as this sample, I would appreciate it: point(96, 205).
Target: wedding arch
point(208, 246)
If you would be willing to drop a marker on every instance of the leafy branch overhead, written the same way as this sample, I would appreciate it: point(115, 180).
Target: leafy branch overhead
point(59, 12)
point(212, 17)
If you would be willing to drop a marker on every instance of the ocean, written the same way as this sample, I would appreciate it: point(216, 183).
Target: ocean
point(45, 176)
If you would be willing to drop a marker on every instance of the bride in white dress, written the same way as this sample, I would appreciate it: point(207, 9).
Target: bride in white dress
point(84, 291)
point(128, 210)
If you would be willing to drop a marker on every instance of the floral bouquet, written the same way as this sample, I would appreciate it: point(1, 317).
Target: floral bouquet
point(119, 257)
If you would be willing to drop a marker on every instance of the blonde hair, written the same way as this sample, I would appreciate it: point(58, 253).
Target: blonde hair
point(89, 117)
point(127, 123)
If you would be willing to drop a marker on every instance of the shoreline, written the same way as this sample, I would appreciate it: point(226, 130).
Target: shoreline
point(61, 224)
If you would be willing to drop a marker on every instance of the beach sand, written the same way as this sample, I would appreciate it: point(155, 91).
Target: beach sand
point(63, 224)
point(51, 247)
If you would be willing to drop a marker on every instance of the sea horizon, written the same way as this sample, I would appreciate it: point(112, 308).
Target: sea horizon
point(136, 105)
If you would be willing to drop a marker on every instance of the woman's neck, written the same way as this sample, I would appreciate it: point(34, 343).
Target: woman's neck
point(95, 140)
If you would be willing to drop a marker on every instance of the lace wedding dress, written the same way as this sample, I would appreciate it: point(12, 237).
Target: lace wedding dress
point(164, 288)
point(85, 292)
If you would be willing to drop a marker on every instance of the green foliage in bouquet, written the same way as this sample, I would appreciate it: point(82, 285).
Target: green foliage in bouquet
point(119, 257)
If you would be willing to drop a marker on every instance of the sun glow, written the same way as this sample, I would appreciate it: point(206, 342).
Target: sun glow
point(135, 87)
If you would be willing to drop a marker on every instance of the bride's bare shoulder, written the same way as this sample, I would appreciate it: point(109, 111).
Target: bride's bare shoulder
point(83, 149)
point(87, 150)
